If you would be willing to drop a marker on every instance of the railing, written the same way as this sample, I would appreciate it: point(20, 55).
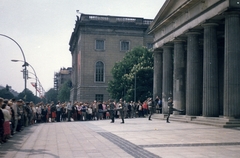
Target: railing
point(141, 21)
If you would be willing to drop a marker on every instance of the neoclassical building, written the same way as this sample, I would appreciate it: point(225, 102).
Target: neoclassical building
point(96, 44)
point(197, 56)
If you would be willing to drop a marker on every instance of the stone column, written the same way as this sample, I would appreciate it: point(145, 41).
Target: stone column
point(179, 74)
point(167, 76)
point(194, 76)
point(210, 71)
point(157, 76)
point(232, 65)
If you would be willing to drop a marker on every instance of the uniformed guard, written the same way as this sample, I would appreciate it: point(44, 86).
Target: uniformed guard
point(171, 109)
point(150, 108)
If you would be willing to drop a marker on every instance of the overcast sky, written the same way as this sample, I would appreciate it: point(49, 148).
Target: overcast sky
point(43, 28)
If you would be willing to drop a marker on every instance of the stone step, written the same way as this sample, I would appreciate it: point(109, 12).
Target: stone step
point(212, 121)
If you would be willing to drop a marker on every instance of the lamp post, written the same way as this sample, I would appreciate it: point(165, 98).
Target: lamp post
point(27, 64)
point(25, 67)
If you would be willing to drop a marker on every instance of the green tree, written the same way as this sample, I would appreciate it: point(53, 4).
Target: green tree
point(5, 93)
point(136, 63)
point(28, 97)
point(51, 95)
point(64, 91)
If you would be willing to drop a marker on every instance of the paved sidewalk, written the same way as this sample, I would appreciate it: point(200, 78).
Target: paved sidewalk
point(138, 138)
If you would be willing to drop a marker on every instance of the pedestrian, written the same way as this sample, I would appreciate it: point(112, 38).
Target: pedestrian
point(171, 109)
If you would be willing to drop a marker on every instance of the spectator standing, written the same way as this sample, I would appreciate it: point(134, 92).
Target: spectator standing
point(58, 110)
point(69, 110)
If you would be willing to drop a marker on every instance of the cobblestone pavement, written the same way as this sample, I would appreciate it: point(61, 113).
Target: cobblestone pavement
point(138, 138)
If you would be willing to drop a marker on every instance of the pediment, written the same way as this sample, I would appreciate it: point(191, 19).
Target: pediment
point(169, 8)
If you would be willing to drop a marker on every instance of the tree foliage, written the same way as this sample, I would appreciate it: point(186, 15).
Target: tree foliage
point(64, 91)
point(136, 63)
point(5, 93)
point(29, 96)
point(51, 95)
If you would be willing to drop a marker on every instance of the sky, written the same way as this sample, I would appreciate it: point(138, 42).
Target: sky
point(43, 29)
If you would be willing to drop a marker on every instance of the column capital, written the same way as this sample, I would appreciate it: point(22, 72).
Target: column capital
point(179, 40)
point(167, 46)
point(210, 24)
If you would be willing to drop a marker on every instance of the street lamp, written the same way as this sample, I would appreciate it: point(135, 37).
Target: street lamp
point(25, 67)
point(25, 72)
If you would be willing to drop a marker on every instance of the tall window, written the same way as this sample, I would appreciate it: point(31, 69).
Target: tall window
point(99, 97)
point(99, 45)
point(124, 45)
point(99, 72)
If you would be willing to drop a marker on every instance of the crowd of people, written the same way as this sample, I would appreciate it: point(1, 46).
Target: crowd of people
point(15, 115)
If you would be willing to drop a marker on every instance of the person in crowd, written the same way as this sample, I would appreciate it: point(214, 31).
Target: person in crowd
point(44, 114)
point(100, 110)
point(28, 111)
point(74, 111)
point(12, 121)
point(121, 109)
point(89, 112)
point(129, 107)
point(84, 112)
point(2, 140)
point(145, 108)
point(139, 109)
point(49, 116)
point(69, 111)
point(79, 112)
point(94, 107)
point(34, 111)
point(58, 110)
point(6, 124)
point(14, 107)
point(53, 112)
point(20, 115)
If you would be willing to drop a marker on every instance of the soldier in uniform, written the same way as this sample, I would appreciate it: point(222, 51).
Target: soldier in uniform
point(111, 110)
point(150, 108)
point(171, 109)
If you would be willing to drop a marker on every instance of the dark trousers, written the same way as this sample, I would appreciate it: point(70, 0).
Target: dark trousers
point(112, 115)
point(58, 116)
point(170, 111)
point(122, 115)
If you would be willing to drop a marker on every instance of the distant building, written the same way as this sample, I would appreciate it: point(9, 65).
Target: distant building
point(96, 44)
point(62, 76)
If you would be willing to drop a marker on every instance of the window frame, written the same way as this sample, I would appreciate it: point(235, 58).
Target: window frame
point(124, 41)
point(99, 49)
point(99, 97)
point(99, 75)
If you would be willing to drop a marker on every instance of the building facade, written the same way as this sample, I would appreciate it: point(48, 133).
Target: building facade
point(197, 54)
point(62, 76)
point(96, 44)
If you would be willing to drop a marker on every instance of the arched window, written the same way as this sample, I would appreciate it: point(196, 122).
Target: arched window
point(99, 76)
